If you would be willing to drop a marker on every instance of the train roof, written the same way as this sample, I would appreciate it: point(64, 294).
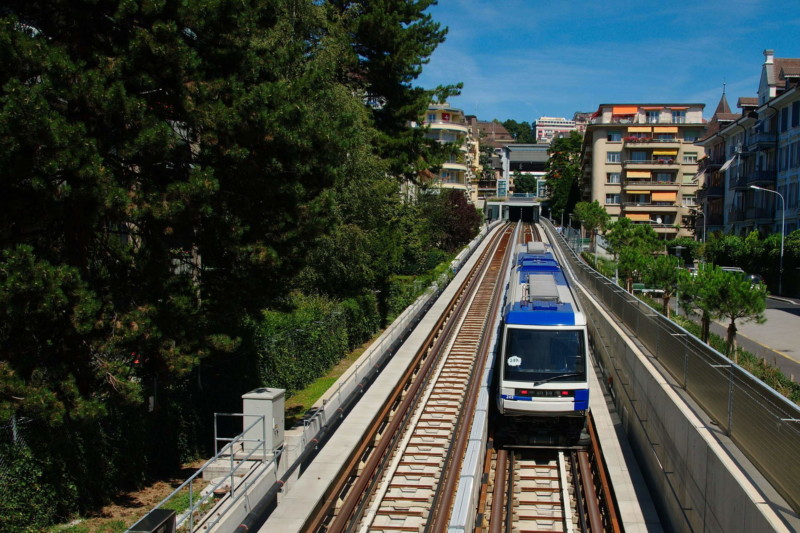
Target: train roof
point(539, 294)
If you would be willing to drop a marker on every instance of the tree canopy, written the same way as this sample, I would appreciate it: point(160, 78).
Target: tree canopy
point(521, 131)
point(563, 170)
point(168, 172)
point(593, 217)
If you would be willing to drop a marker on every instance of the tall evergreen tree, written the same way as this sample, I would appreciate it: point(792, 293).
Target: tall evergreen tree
point(391, 40)
point(563, 169)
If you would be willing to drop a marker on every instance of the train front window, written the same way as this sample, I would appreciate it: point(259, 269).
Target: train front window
point(544, 355)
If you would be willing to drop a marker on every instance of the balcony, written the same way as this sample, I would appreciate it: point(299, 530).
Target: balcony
point(649, 142)
point(709, 164)
point(751, 214)
point(707, 193)
point(646, 164)
point(447, 125)
point(660, 185)
point(760, 141)
point(659, 207)
point(755, 177)
point(455, 165)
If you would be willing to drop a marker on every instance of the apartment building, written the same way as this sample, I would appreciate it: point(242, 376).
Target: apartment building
point(639, 161)
point(449, 125)
point(761, 150)
point(710, 178)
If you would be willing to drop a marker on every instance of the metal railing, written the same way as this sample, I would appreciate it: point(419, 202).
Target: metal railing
point(764, 424)
point(203, 499)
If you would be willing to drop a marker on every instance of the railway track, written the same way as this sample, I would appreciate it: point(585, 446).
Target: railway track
point(546, 489)
point(404, 474)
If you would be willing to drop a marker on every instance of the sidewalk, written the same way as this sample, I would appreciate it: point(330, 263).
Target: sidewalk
point(777, 340)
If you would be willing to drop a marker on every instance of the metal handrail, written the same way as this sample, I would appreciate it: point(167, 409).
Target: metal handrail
point(228, 450)
point(764, 424)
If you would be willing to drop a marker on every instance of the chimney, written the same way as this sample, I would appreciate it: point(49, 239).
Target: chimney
point(769, 56)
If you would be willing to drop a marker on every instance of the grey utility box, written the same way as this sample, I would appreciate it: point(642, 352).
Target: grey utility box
point(269, 403)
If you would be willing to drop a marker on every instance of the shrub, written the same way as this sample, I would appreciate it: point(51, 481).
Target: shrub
point(27, 499)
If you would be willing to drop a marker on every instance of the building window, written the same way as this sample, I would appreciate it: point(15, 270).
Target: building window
point(613, 157)
point(664, 177)
point(688, 178)
point(784, 119)
point(690, 157)
point(613, 177)
point(679, 117)
point(665, 136)
point(689, 200)
point(637, 155)
point(652, 116)
point(612, 199)
point(614, 136)
point(431, 117)
point(690, 135)
point(795, 114)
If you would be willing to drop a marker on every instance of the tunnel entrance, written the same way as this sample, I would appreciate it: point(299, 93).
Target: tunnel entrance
point(526, 213)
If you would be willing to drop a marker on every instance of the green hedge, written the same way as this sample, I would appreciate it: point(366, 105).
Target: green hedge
point(296, 347)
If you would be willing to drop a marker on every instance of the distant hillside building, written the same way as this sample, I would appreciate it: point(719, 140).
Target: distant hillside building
point(545, 129)
point(581, 119)
point(493, 133)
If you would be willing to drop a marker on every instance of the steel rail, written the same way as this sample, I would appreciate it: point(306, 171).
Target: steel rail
point(444, 499)
point(402, 398)
point(605, 493)
point(590, 499)
point(498, 497)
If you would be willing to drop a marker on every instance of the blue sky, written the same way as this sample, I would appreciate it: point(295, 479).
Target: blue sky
point(522, 59)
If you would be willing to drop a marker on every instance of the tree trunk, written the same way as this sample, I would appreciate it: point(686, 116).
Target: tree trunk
point(665, 305)
point(732, 341)
point(705, 326)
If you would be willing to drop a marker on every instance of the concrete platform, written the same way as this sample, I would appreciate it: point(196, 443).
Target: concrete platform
point(636, 509)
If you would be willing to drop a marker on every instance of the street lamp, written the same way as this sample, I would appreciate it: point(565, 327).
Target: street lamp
point(678, 249)
point(783, 226)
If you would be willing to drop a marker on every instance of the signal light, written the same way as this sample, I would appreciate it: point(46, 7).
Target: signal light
point(564, 393)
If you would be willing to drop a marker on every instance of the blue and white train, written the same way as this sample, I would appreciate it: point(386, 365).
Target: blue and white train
point(542, 364)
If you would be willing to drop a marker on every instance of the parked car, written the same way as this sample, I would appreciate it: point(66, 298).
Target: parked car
point(755, 279)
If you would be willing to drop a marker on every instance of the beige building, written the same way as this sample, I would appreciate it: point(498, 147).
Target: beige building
point(639, 162)
point(449, 125)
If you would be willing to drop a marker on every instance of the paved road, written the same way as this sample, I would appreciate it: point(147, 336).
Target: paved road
point(777, 340)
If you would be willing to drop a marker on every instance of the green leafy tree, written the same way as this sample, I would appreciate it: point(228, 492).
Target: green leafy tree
point(524, 183)
point(562, 172)
point(593, 217)
point(167, 170)
point(662, 273)
point(701, 291)
point(623, 233)
point(631, 265)
point(739, 300)
point(521, 131)
point(452, 219)
point(689, 251)
point(633, 245)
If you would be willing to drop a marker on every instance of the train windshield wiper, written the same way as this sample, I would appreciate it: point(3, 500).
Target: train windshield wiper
point(537, 383)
